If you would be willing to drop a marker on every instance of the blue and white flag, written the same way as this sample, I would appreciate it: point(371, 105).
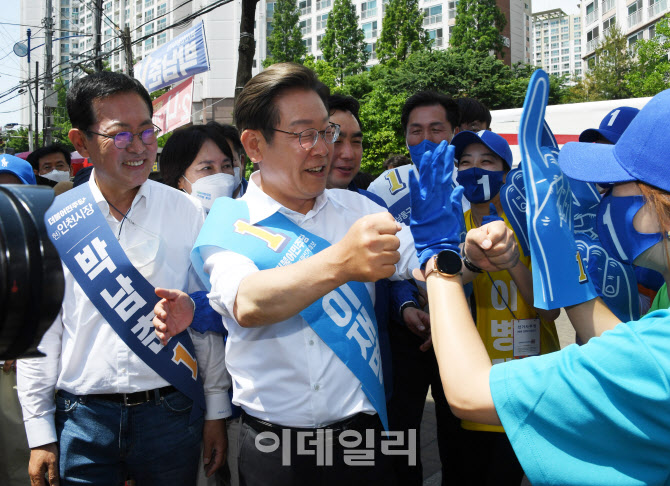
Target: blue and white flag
point(181, 58)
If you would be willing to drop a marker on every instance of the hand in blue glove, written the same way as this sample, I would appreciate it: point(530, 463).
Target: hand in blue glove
point(436, 219)
point(204, 317)
point(492, 216)
point(558, 277)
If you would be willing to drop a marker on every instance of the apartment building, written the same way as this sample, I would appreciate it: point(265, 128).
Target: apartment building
point(637, 20)
point(557, 42)
point(439, 18)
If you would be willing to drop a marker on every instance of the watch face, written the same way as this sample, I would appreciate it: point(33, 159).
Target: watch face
point(448, 262)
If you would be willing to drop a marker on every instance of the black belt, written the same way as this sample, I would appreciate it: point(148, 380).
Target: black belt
point(359, 422)
point(135, 398)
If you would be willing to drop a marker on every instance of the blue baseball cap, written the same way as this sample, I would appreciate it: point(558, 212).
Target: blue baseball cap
point(612, 126)
point(640, 154)
point(491, 140)
point(10, 164)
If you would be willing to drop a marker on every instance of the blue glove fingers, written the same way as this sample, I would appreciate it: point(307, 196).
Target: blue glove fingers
point(457, 199)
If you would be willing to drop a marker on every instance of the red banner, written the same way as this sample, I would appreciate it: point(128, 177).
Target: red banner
point(173, 109)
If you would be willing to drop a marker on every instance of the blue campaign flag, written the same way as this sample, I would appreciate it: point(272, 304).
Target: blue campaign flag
point(559, 276)
point(181, 58)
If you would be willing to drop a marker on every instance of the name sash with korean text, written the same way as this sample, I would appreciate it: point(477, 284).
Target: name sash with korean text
point(125, 299)
point(344, 318)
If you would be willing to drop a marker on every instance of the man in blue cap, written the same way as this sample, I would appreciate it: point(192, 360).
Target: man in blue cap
point(611, 127)
point(14, 170)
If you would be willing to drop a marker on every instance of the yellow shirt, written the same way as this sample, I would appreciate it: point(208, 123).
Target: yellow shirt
point(496, 297)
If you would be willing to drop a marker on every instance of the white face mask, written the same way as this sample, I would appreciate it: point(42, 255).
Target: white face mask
point(238, 178)
point(207, 189)
point(57, 175)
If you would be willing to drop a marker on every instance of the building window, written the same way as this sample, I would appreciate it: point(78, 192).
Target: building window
point(305, 7)
point(308, 44)
point(161, 10)
point(368, 9)
point(161, 38)
point(321, 21)
point(370, 29)
point(432, 15)
point(436, 36)
point(270, 10)
point(306, 26)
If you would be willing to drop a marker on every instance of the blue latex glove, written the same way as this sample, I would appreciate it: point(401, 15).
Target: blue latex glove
point(493, 215)
point(436, 219)
point(559, 276)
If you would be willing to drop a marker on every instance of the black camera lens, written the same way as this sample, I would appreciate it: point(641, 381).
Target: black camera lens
point(31, 275)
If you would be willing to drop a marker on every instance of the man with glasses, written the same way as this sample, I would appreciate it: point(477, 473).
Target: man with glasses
point(302, 344)
point(123, 406)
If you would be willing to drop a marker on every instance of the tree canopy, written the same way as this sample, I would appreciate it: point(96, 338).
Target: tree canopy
point(285, 40)
point(402, 31)
point(478, 26)
point(343, 44)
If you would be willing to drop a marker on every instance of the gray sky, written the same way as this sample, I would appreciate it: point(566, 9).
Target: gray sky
point(9, 62)
point(568, 6)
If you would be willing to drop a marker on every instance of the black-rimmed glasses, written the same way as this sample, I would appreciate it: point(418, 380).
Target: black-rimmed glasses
point(124, 139)
point(308, 138)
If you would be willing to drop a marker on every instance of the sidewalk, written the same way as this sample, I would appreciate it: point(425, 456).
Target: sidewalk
point(432, 473)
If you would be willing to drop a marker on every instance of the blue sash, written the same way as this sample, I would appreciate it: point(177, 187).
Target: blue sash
point(124, 298)
point(344, 318)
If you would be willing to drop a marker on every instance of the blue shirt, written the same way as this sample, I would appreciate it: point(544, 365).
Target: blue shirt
point(598, 414)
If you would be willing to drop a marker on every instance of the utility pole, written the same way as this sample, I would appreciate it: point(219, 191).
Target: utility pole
point(48, 79)
point(98, 35)
point(30, 95)
point(129, 52)
point(37, 96)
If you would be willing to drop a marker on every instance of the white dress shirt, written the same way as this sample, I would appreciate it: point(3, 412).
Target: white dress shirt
point(84, 355)
point(284, 373)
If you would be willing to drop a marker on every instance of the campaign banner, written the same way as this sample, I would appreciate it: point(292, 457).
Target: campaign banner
point(173, 109)
point(182, 57)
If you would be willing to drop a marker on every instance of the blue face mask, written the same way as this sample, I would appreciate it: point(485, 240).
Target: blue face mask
point(480, 185)
point(417, 151)
point(616, 231)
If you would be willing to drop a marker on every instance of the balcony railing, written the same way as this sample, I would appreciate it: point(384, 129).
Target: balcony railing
point(366, 14)
point(592, 17)
point(438, 41)
point(369, 34)
point(321, 24)
point(432, 19)
point(592, 44)
point(608, 5)
point(634, 18)
point(324, 4)
point(306, 10)
point(658, 8)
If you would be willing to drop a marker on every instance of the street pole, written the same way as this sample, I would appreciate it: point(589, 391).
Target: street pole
point(98, 35)
point(129, 52)
point(37, 96)
point(30, 95)
point(48, 80)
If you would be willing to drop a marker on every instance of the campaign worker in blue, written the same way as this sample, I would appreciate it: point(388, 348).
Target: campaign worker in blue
point(293, 264)
point(108, 401)
point(597, 414)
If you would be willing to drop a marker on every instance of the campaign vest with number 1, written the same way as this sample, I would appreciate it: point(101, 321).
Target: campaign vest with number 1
point(344, 318)
point(123, 297)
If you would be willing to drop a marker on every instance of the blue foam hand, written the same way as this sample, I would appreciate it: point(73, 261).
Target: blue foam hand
point(436, 219)
point(559, 278)
point(513, 201)
point(492, 216)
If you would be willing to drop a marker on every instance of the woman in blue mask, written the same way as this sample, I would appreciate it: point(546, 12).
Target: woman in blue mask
point(501, 302)
point(598, 414)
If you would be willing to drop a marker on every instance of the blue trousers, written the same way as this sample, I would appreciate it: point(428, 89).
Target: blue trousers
point(103, 442)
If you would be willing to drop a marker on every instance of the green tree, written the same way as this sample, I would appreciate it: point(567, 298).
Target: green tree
point(61, 120)
point(325, 71)
point(343, 44)
point(285, 41)
point(606, 78)
point(18, 140)
point(651, 73)
point(478, 26)
point(402, 32)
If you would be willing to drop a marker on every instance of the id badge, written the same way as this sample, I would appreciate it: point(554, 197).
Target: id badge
point(526, 338)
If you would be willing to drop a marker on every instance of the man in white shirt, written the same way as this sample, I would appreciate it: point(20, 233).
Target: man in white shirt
point(303, 406)
point(113, 416)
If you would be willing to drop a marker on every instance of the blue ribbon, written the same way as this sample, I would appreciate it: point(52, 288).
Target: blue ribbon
point(122, 296)
point(344, 318)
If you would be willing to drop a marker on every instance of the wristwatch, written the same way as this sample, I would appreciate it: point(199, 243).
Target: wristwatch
point(447, 263)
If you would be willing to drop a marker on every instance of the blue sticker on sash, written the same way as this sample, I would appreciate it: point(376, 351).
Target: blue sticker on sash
point(123, 297)
point(344, 318)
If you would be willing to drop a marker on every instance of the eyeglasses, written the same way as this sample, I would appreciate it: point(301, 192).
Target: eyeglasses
point(308, 138)
point(123, 139)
